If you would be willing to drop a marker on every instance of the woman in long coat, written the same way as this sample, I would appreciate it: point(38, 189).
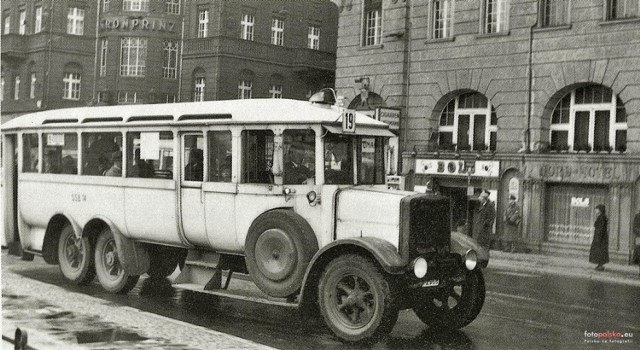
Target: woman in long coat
point(599, 253)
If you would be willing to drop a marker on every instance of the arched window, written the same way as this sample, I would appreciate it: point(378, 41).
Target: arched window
point(468, 123)
point(590, 118)
point(72, 81)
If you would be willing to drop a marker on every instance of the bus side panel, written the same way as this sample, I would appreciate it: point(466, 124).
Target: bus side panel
point(220, 211)
point(39, 201)
point(253, 200)
point(151, 215)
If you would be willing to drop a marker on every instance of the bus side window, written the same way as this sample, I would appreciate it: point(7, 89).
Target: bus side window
point(30, 153)
point(193, 157)
point(257, 156)
point(98, 150)
point(60, 153)
point(150, 154)
point(299, 157)
point(220, 156)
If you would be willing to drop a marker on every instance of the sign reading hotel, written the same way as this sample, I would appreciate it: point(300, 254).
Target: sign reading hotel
point(137, 23)
point(390, 116)
point(456, 167)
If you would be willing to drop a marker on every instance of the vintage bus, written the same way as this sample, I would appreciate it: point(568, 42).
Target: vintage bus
point(289, 194)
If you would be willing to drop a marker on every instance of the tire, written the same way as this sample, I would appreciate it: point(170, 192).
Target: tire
point(163, 261)
point(356, 300)
point(110, 273)
point(75, 257)
point(278, 249)
point(457, 305)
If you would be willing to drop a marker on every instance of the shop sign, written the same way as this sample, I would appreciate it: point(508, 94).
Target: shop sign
point(456, 167)
point(580, 202)
point(583, 172)
point(390, 116)
point(137, 23)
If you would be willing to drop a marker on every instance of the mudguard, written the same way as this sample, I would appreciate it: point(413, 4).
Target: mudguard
point(134, 258)
point(385, 253)
point(460, 243)
point(51, 236)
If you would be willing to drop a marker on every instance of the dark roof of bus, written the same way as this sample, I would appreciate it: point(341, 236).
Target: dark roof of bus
point(251, 111)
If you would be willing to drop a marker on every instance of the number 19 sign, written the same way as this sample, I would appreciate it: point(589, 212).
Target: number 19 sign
point(349, 121)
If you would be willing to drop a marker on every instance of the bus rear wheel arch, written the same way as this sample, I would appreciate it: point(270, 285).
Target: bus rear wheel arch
point(111, 275)
point(279, 246)
point(75, 257)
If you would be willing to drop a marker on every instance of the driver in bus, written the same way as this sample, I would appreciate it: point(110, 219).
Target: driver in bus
point(294, 171)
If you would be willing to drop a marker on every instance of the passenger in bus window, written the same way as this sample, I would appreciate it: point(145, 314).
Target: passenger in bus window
point(141, 168)
point(52, 163)
point(69, 165)
point(116, 168)
point(98, 155)
point(294, 170)
point(195, 168)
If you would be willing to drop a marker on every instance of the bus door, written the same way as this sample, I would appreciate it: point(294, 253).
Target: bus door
point(192, 196)
point(9, 219)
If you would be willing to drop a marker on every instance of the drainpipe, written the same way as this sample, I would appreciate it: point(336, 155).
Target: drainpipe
point(96, 68)
point(527, 135)
point(180, 69)
point(407, 79)
point(49, 49)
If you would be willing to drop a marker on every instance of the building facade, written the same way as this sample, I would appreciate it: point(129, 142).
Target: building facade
point(535, 98)
point(47, 55)
point(258, 49)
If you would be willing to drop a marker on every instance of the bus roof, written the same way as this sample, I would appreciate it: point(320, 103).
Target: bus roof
point(250, 111)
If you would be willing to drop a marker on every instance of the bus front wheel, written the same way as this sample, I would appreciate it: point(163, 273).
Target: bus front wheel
point(74, 256)
point(356, 300)
point(111, 275)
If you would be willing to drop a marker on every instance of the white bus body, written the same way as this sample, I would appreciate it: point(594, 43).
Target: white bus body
point(211, 186)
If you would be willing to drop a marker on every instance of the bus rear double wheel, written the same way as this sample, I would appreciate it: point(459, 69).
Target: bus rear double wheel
point(111, 275)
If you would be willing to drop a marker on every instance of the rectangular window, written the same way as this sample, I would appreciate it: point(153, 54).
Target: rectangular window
point(601, 131)
point(170, 61)
point(100, 152)
point(277, 31)
point(134, 57)
point(71, 86)
point(16, 88)
point(554, 13)
point(275, 91)
point(442, 19)
point(75, 21)
point(37, 25)
point(7, 23)
point(32, 86)
point(244, 89)
point(150, 154)
point(247, 27)
point(173, 7)
point(299, 157)
point(257, 150)
point(60, 153)
point(313, 38)
point(169, 98)
point(220, 156)
point(621, 9)
point(193, 157)
point(373, 23)
point(198, 89)
point(30, 153)
point(22, 22)
point(371, 160)
point(105, 5)
point(103, 57)
point(135, 5)
point(203, 23)
point(495, 16)
point(128, 97)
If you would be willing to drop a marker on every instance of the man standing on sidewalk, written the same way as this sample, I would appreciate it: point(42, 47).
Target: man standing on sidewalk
point(483, 221)
point(511, 231)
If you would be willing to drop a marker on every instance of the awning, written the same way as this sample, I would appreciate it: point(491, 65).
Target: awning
point(361, 130)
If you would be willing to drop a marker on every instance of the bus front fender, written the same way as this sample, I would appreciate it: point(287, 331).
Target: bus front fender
point(133, 257)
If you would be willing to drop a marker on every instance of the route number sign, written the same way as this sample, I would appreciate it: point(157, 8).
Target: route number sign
point(349, 121)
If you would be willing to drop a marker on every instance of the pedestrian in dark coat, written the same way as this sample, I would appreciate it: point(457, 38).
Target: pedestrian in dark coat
point(599, 253)
point(636, 234)
point(511, 228)
point(483, 221)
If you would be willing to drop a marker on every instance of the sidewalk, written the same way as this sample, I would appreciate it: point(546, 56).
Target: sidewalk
point(565, 266)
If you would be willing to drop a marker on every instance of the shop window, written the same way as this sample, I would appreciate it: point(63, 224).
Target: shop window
point(372, 26)
point(60, 153)
point(257, 149)
point(554, 13)
point(495, 16)
point(621, 9)
point(468, 123)
point(442, 19)
point(589, 118)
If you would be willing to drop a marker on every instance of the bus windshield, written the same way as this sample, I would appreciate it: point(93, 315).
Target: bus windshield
point(345, 154)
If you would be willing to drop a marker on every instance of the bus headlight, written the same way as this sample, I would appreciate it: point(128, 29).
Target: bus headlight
point(420, 267)
point(470, 259)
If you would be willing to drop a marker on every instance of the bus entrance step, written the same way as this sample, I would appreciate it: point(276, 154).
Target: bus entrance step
point(242, 293)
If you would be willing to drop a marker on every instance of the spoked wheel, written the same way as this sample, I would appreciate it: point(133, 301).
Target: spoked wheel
point(356, 300)
point(110, 273)
point(456, 305)
point(74, 256)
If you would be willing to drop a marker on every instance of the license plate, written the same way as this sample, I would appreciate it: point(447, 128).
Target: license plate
point(431, 283)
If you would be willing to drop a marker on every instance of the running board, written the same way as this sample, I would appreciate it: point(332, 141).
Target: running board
point(254, 296)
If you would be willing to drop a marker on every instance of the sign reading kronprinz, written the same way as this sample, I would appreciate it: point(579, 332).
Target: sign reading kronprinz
point(137, 23)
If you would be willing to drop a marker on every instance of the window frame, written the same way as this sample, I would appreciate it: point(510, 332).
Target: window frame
point(247, 25)
point(245, 87)
point(558, 6)
point(453, 127)
point(447, 20)
point(32, 85)
point(277, 31)
point(609, 15)
point(199, 88)
point(139, 46)
point(104, 49)
point(173, 6)
point(16, 87)
point(275, 91)
point(502, 13)
point(72, 86)
point(37, 24)
point(313, 37)
point(170, 59)
point(75, 21)
point(22, 21)
point(203, 23)
point(372, 23)
point(135, 5)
